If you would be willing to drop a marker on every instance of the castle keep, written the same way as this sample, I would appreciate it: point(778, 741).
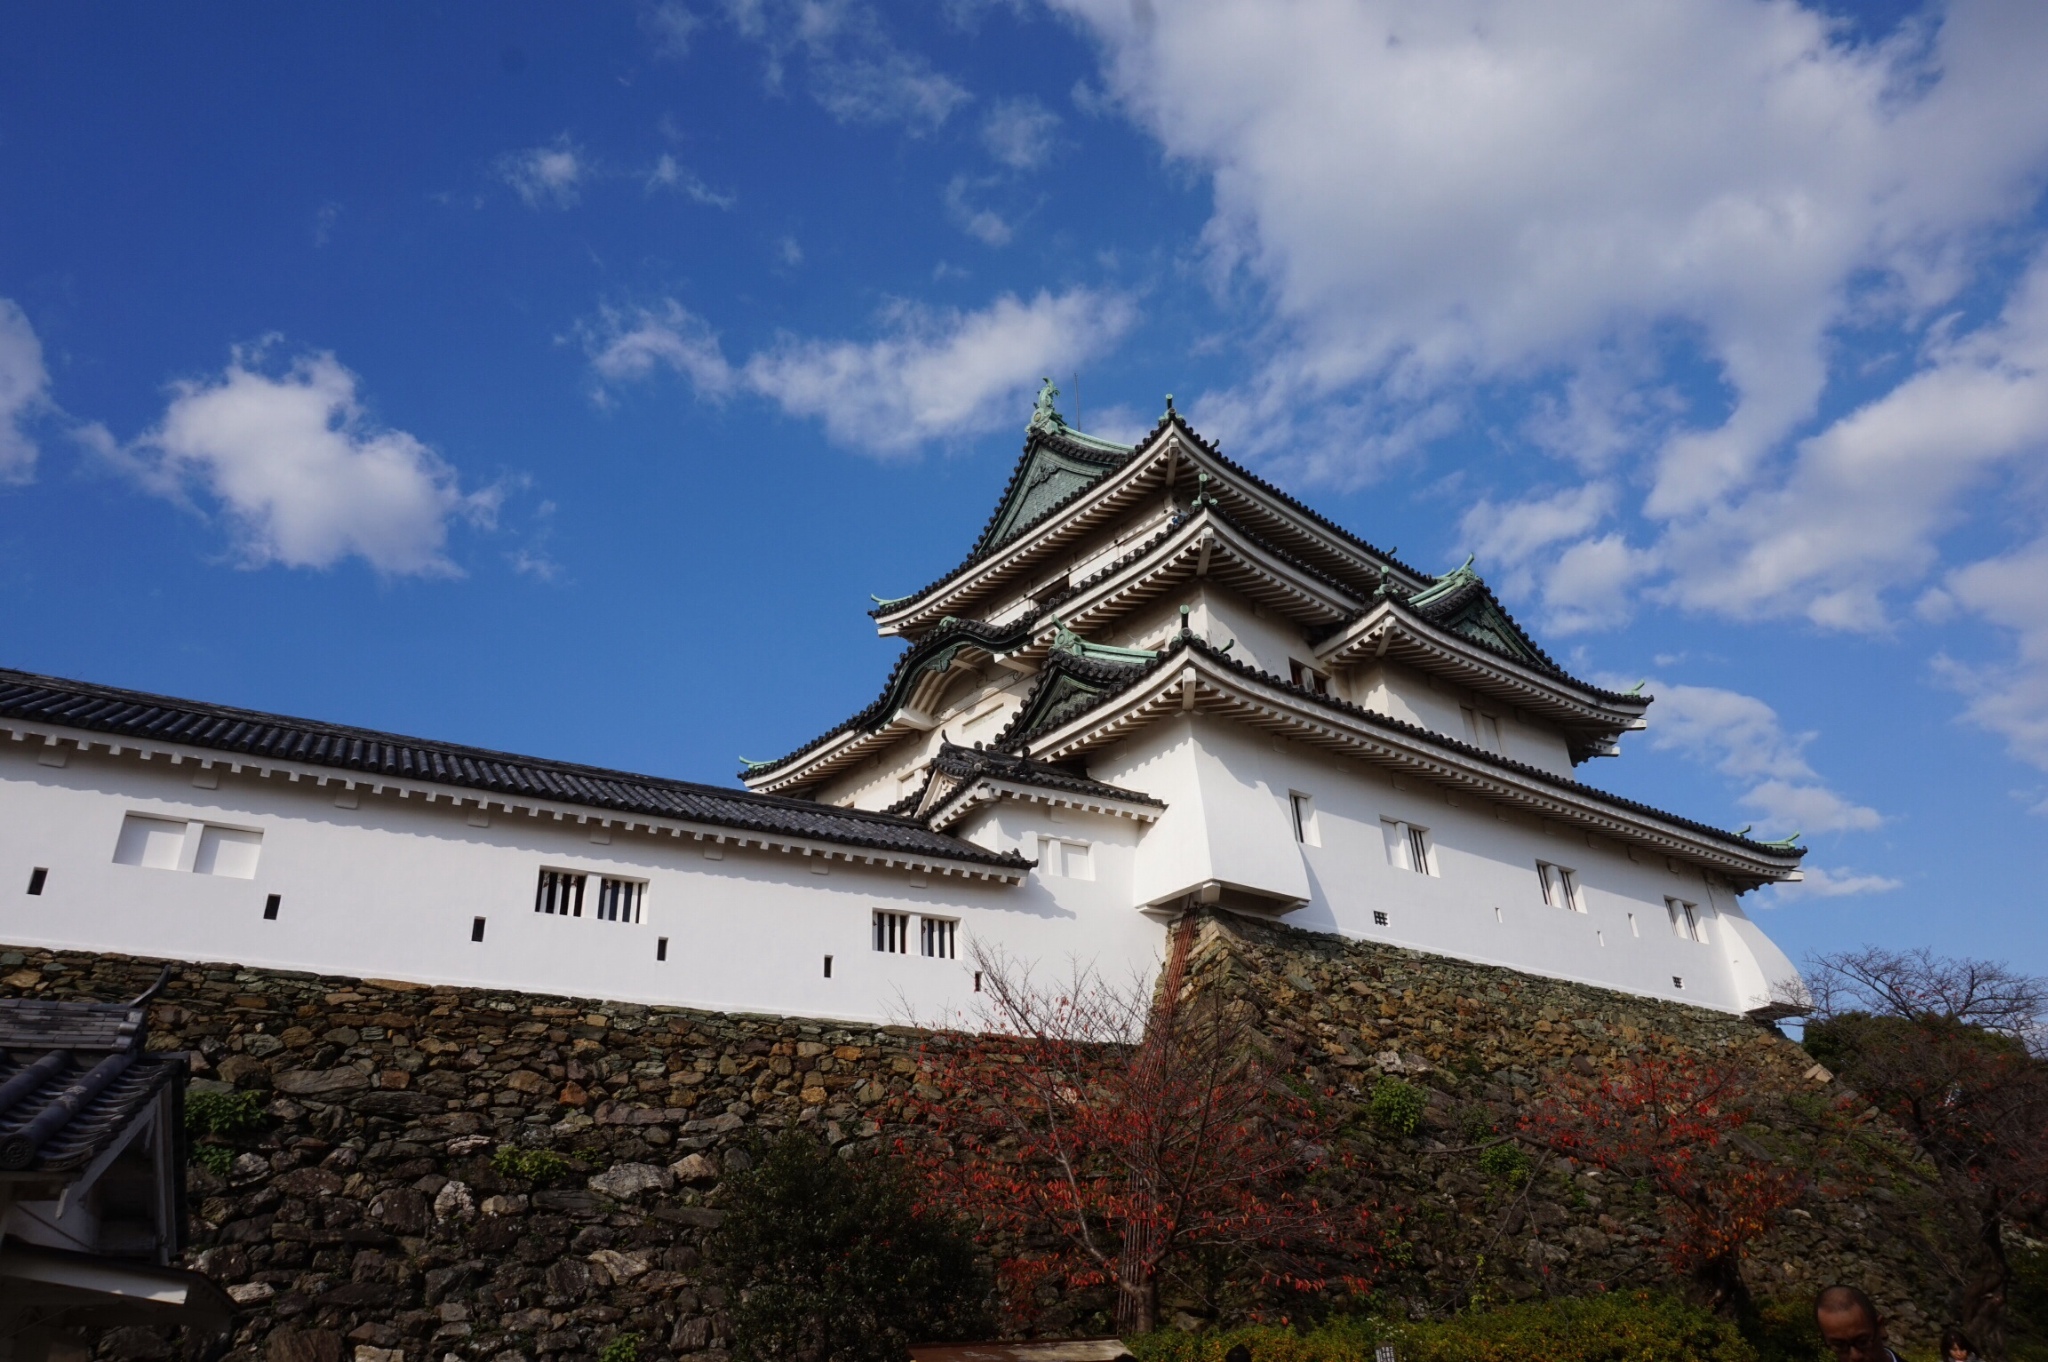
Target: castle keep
point(1155, 681)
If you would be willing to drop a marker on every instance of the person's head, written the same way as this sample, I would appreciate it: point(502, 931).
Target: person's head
point(1850, 1324)
point(1956, 1346)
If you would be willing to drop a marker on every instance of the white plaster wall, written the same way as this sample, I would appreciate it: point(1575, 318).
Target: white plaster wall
point(1265, 641)
point(1486, 903)
point(388, 890)
point(1415, 697)
point(1223, 824)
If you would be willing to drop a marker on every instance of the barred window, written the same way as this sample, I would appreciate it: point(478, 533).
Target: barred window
point(560, 893)
point(1408, 847)
point(1685, 920)
point(1560, 887)
point(936, 937)
point(892, 933)
point(620, 900)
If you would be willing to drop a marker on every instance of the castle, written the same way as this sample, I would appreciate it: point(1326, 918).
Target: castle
point(1154, 681)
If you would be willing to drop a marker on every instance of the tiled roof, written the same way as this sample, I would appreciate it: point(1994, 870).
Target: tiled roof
point(983, 547)
point(1113, 681)
point(1472, 599)
point(247, 733)
point(72, 1076)
point(963, 764)
point(951, 634)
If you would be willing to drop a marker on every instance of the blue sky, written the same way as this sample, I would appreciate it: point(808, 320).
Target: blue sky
point(563, 380)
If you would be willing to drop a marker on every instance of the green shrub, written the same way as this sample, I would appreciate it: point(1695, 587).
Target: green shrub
point(1506, 1163)
point(223, 1113)
point(1396, 1107)
point(622, 1348)
point(1783, 1331)
point(535, 1165)
point(1620, 1328)
point(216, 1159)
point(836, 1259)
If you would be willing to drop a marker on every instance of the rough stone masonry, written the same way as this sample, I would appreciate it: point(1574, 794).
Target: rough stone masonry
point(373, 1217)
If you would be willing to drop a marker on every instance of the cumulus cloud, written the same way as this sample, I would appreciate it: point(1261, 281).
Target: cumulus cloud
point(1743, 738)
point(1841, 882)
point(550, 176)
point(1863, 503)
point(298, 468)
point(1019, 133)
point(931, 376)
point(1432, 192)
point(24, 391)
point(849, 64)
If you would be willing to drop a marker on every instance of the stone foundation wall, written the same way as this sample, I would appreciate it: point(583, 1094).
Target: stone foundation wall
point(368, 1218)
point(1482, 1043)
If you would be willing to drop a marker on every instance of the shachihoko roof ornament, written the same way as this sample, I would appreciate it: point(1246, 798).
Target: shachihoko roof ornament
point(1065, 640)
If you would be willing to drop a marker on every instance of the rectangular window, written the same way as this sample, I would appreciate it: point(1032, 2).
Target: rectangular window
point(158, 843)
point(1303, 809)
point(37, 878)
point(935, 938)
point(476, 929)
point(228, 851)
point(1560, 887)
point(1379, 919)
point(270, 907)
point(560, 893)
point(1307, 677)
point(1409, 847)
point(661, 948)
point(828, 967)
point(1678, 981)
point(619, 900)
point(892, 933)
point(1068, 860)
point(1685, 920)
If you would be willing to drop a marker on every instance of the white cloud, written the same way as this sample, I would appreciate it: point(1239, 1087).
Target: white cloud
point(983, 224)
point(1019, 133)
point(932, 376)
point(1861, 508)
point(851, 67)
point(1841, 882)
point(24, 391)
point(548, 176)
point(1429, 193)
point(303, 474)
point(672, 27)
point(629, 344)
point(2009, 699)
point(669, 173)
point(1742, 737)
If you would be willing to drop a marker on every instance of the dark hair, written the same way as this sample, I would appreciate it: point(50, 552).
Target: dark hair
point(1840, 1295)
point(1952, 1338)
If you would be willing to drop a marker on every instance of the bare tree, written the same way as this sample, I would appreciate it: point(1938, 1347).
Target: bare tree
point(1943, 1047)
point(1109, 1133)
point(1919, 985)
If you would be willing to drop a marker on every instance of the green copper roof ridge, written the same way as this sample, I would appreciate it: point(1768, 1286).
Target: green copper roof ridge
point(1067, 641)
point(1457, 577)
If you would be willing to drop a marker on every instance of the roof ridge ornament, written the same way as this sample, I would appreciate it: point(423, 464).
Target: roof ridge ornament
point(1065, 640)
point(1783, 843)
point(748, 766)
point(1044, 416)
